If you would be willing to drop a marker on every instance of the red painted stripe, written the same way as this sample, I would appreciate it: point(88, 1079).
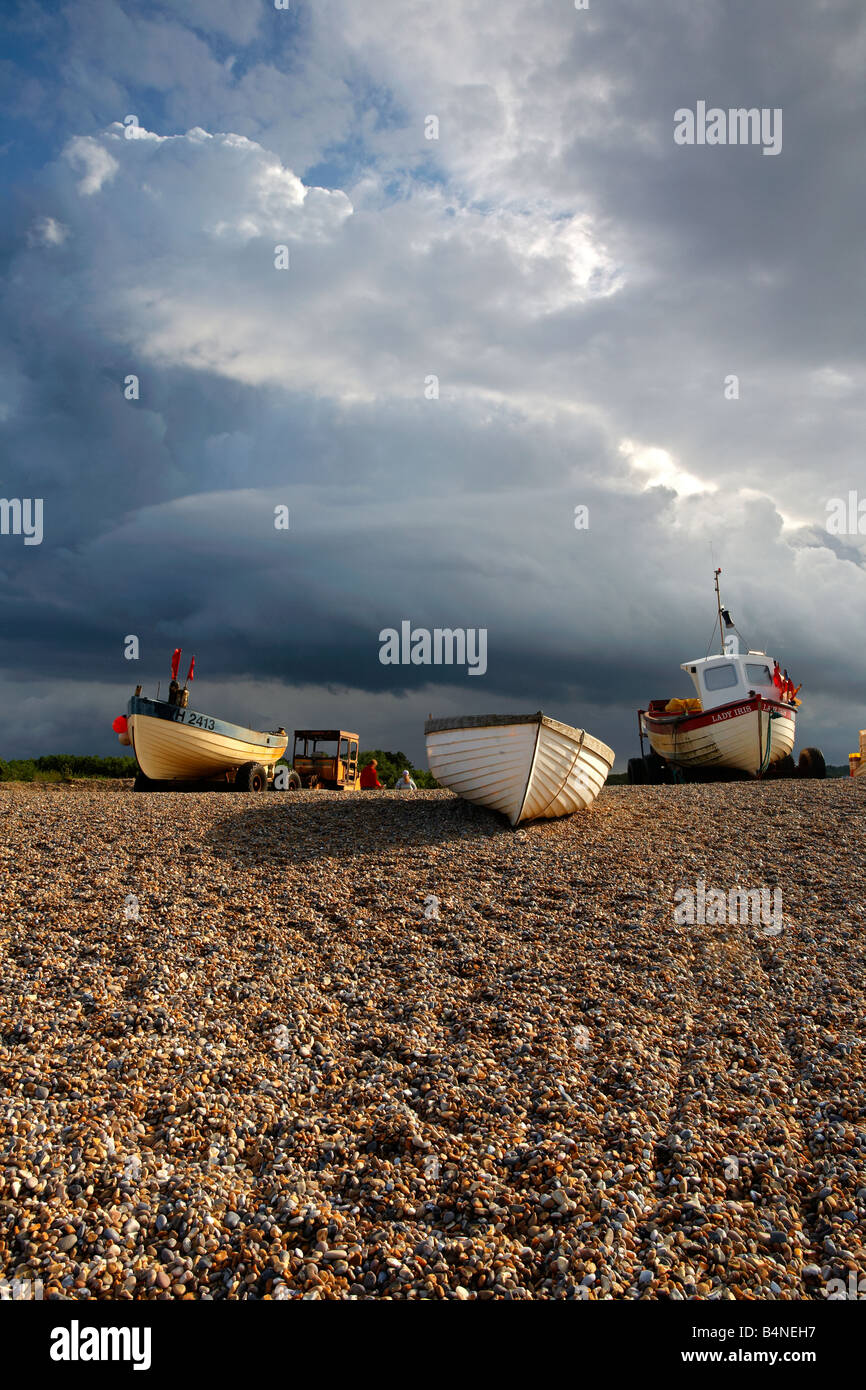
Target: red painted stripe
point(723, 714)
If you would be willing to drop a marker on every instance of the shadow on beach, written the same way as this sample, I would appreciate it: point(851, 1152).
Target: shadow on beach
point(292, 828)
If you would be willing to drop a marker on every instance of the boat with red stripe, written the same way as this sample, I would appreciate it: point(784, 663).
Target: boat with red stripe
point(741, 721)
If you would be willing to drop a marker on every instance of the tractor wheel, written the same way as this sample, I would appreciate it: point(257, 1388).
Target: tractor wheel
point(143, 784)
point(292, 782)
point(811, 763)
point(252, 777)
point(637, 771)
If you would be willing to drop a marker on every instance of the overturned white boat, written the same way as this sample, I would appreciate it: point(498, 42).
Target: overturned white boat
point(527, 766)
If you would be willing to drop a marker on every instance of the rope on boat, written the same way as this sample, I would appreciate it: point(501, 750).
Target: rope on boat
point(564, 781)
point(765, 759)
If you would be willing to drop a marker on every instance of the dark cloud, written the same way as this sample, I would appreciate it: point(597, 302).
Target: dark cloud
point(580, 286)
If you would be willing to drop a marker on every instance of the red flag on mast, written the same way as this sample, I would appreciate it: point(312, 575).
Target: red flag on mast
point(175, 662)
point(191, 669)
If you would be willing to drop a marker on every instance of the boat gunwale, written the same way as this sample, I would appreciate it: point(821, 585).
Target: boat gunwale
point(702, 718)
point(142, 706)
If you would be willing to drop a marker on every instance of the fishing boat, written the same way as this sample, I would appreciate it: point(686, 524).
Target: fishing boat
point(174, 743)
point(527, 766)
point(742, 718)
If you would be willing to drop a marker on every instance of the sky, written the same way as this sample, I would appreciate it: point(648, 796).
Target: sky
point(510, 292)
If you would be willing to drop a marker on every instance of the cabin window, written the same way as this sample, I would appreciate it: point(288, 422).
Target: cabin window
point(344, 749)
point(757, 674)
point(720, 677)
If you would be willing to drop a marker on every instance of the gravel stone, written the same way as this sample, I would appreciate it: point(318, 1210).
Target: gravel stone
point(286, 1078)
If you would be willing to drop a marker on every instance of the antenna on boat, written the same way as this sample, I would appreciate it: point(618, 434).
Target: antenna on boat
point(719, 606)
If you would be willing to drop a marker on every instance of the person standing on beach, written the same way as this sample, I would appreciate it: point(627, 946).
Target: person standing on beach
point(369, 776)
point(404, 782)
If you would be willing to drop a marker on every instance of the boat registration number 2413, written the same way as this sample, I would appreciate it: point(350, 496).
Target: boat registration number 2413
point(188, 716)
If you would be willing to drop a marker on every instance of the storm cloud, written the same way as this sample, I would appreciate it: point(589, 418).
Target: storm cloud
point(549, 305)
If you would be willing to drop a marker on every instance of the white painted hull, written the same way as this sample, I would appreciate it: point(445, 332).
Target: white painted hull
point(168, 751)
point(526, 767)
point(733, 738)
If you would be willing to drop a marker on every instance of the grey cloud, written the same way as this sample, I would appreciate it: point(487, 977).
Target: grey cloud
point(573, 278)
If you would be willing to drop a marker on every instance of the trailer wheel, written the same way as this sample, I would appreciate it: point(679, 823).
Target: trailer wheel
point(658, 772)
point(811, 763)
point(252, 777)
point(785, 767)
point(142, 783)
point(637, 772)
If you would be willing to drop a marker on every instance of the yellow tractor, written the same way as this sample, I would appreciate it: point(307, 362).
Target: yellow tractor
point(334, 765)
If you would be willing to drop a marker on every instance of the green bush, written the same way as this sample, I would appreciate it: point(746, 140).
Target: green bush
point(390, 765)
point(54, 767)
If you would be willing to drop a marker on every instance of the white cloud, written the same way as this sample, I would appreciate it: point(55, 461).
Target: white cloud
point(47, 231)
point(374, 301)
point(87, 154)
point(661, 470)
point(829, 381)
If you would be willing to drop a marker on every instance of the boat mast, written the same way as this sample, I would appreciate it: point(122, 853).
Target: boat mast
point(719, 606)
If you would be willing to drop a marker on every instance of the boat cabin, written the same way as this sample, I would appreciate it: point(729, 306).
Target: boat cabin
point(733, 674)
point(333, 765)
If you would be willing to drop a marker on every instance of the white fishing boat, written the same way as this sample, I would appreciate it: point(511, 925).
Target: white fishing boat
point(742, 718)
point(749, 736)
point(173, 743)
point(527, 766)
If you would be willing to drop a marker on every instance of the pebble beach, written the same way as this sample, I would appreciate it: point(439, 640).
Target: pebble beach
point(317, 1046)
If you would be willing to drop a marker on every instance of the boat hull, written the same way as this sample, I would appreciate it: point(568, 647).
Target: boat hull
point(184, 745)
point(527, 767)
point(748, 736)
